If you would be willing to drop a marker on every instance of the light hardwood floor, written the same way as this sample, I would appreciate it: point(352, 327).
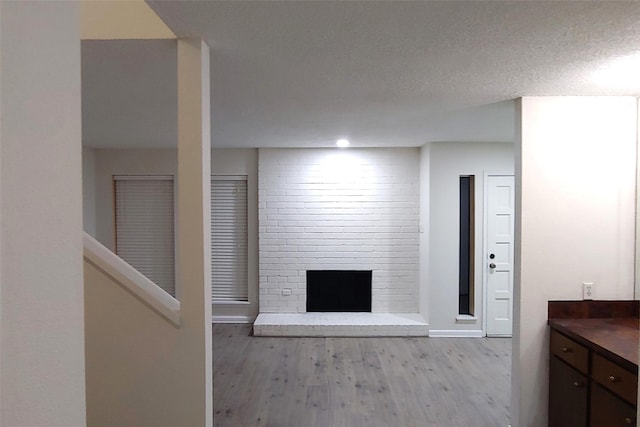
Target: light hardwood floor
point(352, 382)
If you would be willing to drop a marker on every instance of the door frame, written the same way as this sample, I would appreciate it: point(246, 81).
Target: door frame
point(485, 245)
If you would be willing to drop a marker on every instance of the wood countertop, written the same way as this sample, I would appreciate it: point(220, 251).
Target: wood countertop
point(607, 327)
point(615, 338)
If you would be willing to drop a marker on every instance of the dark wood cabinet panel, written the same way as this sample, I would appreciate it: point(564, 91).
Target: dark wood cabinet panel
point(608, 410)
point(568, 398)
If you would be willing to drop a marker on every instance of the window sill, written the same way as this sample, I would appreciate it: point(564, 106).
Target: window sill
point(225, 302)
point(465, 318)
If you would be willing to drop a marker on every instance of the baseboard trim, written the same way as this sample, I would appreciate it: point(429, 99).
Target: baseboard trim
point(443, 333)
point(232, 319)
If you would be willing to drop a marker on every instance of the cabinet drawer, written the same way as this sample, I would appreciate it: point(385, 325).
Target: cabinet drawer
point(570, 351)
point(618, 380)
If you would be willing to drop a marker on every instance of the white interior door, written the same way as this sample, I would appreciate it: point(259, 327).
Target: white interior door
point(499, 254)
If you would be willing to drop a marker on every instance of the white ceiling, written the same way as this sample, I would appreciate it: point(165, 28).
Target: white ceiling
point(394, 73)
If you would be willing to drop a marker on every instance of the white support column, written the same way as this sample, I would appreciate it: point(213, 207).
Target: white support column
point(194, 219)
point(1, 280)
point(636, 294)
point(575, 178)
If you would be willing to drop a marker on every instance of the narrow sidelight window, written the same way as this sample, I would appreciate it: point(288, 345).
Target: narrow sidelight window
point(466, 256)
point(229, 239)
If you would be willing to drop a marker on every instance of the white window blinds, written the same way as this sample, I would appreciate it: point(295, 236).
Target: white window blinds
point(229, 251)
point(144, 214)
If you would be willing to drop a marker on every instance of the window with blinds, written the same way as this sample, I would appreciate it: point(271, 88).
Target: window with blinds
point(229, 247)
point(144, 216)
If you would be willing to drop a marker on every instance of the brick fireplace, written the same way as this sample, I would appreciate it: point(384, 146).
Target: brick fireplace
point(330, 209)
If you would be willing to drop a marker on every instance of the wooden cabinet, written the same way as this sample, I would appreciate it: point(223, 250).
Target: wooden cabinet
point(587, 389)
point(568, 406)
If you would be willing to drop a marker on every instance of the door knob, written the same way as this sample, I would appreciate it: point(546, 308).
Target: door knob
point(492, 265)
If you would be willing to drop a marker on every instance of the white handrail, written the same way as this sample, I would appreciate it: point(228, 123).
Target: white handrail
point(131, 279)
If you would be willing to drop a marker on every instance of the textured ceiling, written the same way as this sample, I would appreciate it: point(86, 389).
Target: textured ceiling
point(394, 73)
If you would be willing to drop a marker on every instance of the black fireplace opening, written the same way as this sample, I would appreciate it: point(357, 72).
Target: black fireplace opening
point(339, 290)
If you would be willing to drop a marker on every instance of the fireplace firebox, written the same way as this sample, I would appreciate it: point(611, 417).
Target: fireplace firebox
point(339, 290)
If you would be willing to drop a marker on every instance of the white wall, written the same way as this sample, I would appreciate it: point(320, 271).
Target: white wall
point(448, 161)
point(164, 162)
point(42, 323)
point(332, 209)
point(576, 205)
point(89, 190)
point(135, 360)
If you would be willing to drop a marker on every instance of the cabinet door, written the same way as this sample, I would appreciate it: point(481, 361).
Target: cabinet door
point(567, 395)
point(608, 410)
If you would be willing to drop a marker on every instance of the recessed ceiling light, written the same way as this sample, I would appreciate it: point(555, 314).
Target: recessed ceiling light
point(342, 143)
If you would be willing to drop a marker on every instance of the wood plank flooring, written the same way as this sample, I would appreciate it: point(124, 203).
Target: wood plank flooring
point(351, 382)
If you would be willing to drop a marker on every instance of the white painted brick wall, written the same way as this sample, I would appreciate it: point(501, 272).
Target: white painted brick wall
point(332, 209)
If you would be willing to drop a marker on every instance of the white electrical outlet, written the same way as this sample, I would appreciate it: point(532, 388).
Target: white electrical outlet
point(286, 292)
point(587, 290)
